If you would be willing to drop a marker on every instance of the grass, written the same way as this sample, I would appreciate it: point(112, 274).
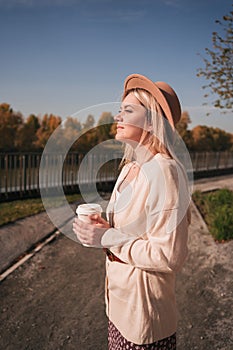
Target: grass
point(217, 210)
point(19, 209)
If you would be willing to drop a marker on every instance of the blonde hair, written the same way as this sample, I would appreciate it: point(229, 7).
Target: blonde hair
point(160, 137)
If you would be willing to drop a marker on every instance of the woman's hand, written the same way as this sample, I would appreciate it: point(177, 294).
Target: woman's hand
point(91, 233)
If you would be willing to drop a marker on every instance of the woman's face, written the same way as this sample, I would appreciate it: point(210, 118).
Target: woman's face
point(131, 120)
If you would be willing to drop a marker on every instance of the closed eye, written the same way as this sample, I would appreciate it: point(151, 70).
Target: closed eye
point(126, 110)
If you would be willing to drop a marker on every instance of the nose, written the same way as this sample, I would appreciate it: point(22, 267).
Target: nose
point(118, 117)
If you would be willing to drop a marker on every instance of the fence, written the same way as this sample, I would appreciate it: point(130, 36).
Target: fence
point(19, 173)
point(22, 175)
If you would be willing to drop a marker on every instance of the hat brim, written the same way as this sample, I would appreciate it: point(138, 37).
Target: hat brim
point(159, 90)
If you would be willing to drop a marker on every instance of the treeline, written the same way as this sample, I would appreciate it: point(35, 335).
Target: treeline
point(31, 134)
point(204, 138)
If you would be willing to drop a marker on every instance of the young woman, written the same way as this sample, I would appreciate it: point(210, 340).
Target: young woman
point(145, 237)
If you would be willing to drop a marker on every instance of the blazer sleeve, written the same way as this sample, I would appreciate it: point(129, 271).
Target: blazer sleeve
point(160, 251)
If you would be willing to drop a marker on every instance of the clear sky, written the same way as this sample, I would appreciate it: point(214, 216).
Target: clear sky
point(59, 56)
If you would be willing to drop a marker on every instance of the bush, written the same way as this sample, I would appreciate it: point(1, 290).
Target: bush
point(217, 210)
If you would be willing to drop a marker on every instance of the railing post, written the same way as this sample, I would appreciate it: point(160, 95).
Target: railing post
point(196, 161)
point(217, 160)
point(6, 176)
point(29, 164)
point(24, 174)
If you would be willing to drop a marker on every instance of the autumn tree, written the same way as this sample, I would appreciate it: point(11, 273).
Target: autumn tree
point(88, 137)
point(104, 125)
point(27, 134)
point(231, 142)
point(89, 123)
point(211, 139)
point(218, 70)
point(72, 124)
point(47, 125)
point(113, 130)
point(70, 132)
point(182, 129)
point(10, 123)
point(222, 140)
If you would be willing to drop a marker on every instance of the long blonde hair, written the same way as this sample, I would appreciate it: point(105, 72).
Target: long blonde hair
point(161, 135)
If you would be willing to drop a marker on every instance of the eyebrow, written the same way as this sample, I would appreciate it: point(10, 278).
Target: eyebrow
point(126, 106)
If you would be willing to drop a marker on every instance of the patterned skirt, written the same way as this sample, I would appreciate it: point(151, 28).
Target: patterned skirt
point(117, 342)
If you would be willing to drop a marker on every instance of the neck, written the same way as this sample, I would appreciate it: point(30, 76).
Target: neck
point(142, 153)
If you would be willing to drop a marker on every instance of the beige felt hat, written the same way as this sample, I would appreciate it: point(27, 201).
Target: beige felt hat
point(163, 93)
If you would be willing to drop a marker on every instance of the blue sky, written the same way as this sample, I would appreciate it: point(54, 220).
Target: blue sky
point(59, 56)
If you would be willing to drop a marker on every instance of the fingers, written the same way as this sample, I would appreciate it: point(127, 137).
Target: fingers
point(79, 228)
point(90, 234)
point(84, 231)
point(99, 220)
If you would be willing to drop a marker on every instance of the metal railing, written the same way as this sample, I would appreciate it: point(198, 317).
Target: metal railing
point(19, 173)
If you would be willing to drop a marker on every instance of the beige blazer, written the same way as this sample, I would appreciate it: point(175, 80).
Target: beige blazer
point(149, 233)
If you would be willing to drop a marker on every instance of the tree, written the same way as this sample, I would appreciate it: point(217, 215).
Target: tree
point(73, 124)
point(33, 122)
point(218, 68)
point(47, 125)
point(26, 135)
point(211, 139)
point(70, 133)
point(182, 128)
point(104, 125)
point(222, 140)
point(89, 123)
point(10, 124)
point(113, 130)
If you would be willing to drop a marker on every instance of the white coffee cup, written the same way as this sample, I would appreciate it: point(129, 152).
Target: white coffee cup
point(84, 210)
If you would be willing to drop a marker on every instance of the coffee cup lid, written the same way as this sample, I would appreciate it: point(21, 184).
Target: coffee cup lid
point(88, 209)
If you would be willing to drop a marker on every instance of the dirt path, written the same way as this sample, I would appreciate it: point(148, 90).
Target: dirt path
point(56, 299)
point(205, 291)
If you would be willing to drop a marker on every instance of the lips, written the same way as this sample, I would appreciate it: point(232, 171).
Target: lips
point(120, 127)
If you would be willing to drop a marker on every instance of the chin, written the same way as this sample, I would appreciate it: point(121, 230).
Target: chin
point(119, 137)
